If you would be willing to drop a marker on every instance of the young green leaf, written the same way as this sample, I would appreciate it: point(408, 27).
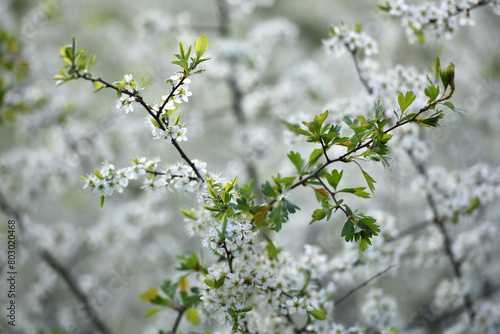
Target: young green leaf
point(192, 316)
point(150, 313)
point(406, 100)
point(200, 46)
point(334, 178)
point(318, 314)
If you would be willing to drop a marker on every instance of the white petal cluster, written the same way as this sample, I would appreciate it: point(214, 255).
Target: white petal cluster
point(455, 191)
point(438, 19)
point(342, 39)
point(176, 132)
point(178, 177)
point(378, 309)
point(125, 101)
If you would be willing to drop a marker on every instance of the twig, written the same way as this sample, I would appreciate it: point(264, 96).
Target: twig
point(344, 297)
point(156, 116)
point(440, 223)
point(459, 11)
point(361, 76)
point(177, 322)
point(410, 230)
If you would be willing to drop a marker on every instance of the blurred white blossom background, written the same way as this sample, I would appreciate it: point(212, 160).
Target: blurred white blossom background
point(271, 61)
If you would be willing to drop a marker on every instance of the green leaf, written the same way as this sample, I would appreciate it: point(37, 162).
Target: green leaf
point(200, 46)
point(460, 112)
point(210, 283)
point(296, 160)
point(150, 313)
point(348, 231)
point(98, 86)
point(271, 249)
point(369, 180)
point(189, 214)
point(220, 282)
point(385, 8)
point(359, 191)
point(334, 178)
point(182, 50)
point(321, 118)
point(315, 155)
point(193, 316)
point(379, 111)
point(432, 120)
point(224, 226)
point(406, 100)
point(91, 61)
point(318, 314)
point(149, 295)
point(98, 173)
point(246, 309)
point(436, 66)
point(473, 204)
point(432, 92)
point(268, 190)
point(318, 214)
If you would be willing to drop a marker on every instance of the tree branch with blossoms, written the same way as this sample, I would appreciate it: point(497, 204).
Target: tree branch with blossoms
point(228, 218)
point(437, 18)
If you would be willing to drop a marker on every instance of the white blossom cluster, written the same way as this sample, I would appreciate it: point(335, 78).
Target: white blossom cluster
point(343, 38)
point(439, 19)
point(456, 191)
point(252, 278)
point(171, 133)
point(378, 310)
point(486, 321)
point(179, 177)
point(125, 101)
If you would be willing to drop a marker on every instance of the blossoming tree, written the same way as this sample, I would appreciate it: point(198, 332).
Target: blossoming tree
point(250, 266)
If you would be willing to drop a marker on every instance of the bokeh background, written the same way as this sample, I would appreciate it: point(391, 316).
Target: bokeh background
point(268, 64)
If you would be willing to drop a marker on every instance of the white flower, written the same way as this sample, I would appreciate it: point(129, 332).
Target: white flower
point(125, 103)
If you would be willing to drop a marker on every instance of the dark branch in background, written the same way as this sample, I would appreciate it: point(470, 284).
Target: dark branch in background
point(408, 231)
point(348, 294)
point(236, 93)
point(156, 116)
point(433, 320)
point(361, 74)
point(223, 15)
point(62, 271)
point(440, 223)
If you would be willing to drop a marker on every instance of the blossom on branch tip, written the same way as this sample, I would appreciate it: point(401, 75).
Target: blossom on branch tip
point(125, 103)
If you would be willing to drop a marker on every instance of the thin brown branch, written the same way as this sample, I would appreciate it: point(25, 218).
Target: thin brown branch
point(374, 277)
point(361, 75)
point(178, 319)
point(156, 116)
point(440, 224)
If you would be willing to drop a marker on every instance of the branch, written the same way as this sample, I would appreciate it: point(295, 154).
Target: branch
point(440, 223)
point(223, 16)
point(458, 11)
point(156, 116)
point(410, 230)
point(333, 196)
point(361, 76)
point(344, 297)
point(63, 273)
point(178, 319)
